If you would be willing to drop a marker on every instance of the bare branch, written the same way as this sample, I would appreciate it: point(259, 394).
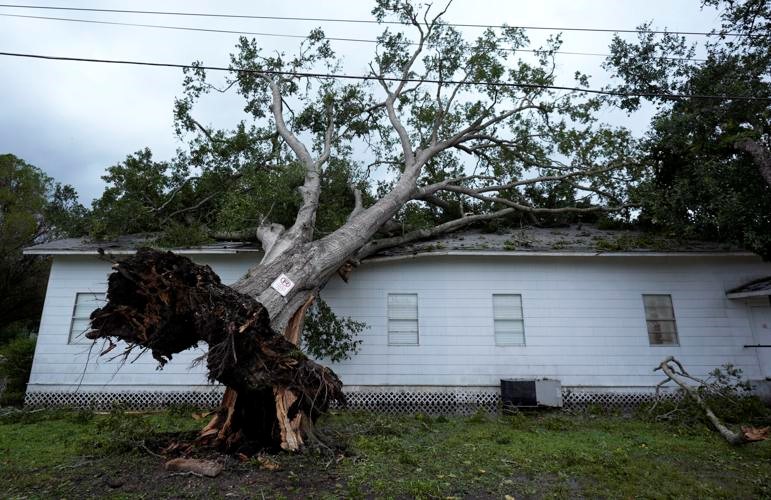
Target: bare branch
point(421, 234)
point(534, 210)
point(174, 193)
point(433, 188)
point(302, 229)
point(436, 201)
point(294, 143)
point(328, 136)
point(547, 178)
point(269, 235)
point(193, 207)
point(747, 435)
point(204, 131)
point(358, 206)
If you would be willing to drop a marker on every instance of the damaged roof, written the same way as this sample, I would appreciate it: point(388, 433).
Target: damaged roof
point(128, 244)
point(575, 239)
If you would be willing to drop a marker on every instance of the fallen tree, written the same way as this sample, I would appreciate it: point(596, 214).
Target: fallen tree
point(463, 132)
point(164, 303)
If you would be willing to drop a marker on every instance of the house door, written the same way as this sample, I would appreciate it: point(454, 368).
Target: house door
point(761, 330)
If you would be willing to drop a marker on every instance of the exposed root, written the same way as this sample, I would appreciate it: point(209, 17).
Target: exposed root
point(165, 303)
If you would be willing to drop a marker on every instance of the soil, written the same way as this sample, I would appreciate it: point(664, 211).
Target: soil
point(141, 474)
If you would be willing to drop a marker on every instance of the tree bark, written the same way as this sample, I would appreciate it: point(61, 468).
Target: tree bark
point(760, 154)
point(165, 303)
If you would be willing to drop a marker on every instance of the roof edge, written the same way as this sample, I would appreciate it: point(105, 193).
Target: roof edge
point(200, 251)
point(488, 253)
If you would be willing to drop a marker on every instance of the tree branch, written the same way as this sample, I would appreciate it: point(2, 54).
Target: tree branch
point(302, 229)
point(375, 246)
point(679, 376)
point(534, 210)
point(358, 206)
point(760, 154)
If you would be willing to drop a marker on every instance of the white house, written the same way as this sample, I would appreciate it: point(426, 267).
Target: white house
point(447, 320)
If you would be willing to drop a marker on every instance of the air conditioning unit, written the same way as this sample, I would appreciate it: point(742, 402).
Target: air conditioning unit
point(531, 393)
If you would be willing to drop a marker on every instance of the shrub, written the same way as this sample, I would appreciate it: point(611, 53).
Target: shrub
point(15, 366)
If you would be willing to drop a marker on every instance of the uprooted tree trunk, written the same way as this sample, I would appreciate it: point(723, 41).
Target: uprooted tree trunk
point(165, 303)
point(676, 373)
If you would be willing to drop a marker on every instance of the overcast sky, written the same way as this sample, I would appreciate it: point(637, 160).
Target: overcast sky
point(75, 119)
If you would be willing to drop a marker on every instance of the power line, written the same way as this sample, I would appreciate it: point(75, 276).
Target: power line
point(284, 35)
point(357, 21)
point(339, 76)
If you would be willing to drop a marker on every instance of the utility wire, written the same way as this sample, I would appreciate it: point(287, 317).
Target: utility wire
point(284, 35)
point(358, 21)
point(306, 74)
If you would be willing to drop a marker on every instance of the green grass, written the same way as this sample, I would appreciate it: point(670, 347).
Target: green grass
point(69, 454)
point(553, 456)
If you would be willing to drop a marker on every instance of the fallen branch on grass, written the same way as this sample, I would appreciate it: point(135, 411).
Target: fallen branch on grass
point(676, 373)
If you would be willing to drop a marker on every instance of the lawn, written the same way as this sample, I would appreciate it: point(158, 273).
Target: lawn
point(68, 454)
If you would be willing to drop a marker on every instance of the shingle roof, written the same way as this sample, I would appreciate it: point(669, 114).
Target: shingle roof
point(569, 240)
point(573, 239)
point(129, 243)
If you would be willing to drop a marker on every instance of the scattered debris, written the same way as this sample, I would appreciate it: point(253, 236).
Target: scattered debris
point(205, 468)
point(676, 373)
point(267, 463)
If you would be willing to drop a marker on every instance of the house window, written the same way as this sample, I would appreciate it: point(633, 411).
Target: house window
point(85, 303)
point(508, 323)
point(660, 317)
point(403, 319)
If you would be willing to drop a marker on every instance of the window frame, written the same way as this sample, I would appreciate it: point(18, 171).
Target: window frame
point(389, 319)
point(676, 342)
point(78, 338)
point(521, 318)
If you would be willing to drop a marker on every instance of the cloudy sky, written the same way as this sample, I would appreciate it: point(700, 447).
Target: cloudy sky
point(74, 119)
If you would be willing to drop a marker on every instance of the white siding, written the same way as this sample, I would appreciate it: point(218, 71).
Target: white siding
point(584, 321)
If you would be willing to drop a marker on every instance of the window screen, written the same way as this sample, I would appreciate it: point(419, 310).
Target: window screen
point(660, 317)
point(85, 303)
point(403, 319)
point(509, 325)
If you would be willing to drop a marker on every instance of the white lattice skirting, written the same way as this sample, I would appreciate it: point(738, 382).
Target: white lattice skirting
point(381, 400)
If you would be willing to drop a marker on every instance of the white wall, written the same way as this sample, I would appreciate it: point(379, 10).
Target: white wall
point(584, 319)
point(584, 322)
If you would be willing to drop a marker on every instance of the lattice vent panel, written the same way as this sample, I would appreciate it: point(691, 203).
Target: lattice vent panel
point(448, 403)
point(581, 399)
point(132, 400)
point(462, 403)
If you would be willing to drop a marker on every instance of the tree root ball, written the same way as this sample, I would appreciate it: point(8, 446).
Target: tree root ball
point(165, 303)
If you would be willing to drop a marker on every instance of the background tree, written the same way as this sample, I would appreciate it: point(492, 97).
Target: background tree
point(33, 209)
point(709, 161)
point(443, 131)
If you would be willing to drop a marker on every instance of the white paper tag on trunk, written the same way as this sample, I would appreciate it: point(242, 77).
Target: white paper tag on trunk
point(282, 285)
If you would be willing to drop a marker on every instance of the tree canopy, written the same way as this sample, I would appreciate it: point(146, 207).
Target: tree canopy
point(709, 160)
point(33, 208)
point(489, 134)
